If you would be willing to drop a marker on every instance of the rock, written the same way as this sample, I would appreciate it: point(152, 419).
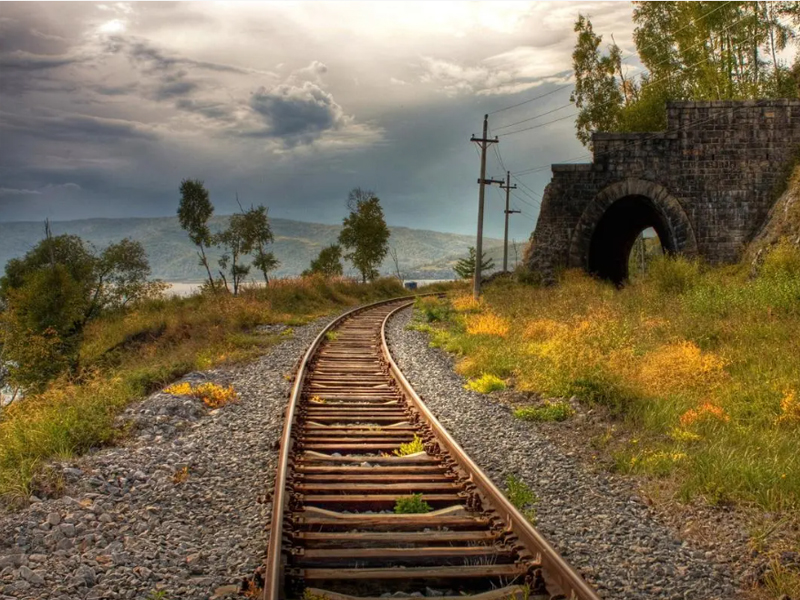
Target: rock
point(53, 519)
point(30, 576)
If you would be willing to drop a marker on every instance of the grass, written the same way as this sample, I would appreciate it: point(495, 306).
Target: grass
point(550, 410)
point(699, 367)
point(414, 504)
point(486, 384)
point(411, 447)
point(522, 497)
point(130, 354)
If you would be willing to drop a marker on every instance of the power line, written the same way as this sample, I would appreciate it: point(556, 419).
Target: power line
point(535, 116)
point(537, 126)
point(558, 89)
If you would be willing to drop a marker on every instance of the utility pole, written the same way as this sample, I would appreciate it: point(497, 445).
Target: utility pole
point(508, 187)
point(483, 142)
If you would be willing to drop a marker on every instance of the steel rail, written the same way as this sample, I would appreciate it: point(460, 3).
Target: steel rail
point(272, 575)
point(558, 576)
point(556, 570)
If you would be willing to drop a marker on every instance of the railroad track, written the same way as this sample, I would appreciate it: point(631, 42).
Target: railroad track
point(334, 530)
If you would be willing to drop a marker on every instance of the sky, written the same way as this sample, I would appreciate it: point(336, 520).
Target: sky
point(106, 107)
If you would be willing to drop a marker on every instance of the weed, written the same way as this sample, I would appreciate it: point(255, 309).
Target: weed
point(318, 400)
point(332, 336)
point(414, 504)
point(180, 476)
point(411, 447)
point(485, 383)
point(212, 394)
point(156, 595)
point(522, 497)
point(558, 410)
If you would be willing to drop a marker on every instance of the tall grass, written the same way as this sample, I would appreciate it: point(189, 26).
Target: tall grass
point(701, 365)
point(129, 354)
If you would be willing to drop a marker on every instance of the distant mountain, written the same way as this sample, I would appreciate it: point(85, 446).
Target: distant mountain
point(421, 253)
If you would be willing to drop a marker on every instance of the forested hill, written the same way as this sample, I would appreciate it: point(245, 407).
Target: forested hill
point(173, 258)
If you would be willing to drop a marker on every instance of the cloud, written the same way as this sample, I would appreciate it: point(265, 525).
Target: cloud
point(174, 85)
point(48, 188)
point(15, 192)
point(26, 61)
point(75, 128)
point(297, 114)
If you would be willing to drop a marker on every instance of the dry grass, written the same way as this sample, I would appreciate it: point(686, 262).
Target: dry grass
point(130, 354)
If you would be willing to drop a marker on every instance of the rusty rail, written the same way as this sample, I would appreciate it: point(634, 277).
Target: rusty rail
point(334, 534)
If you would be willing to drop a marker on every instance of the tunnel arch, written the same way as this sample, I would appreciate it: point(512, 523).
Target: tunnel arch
point(607, 229)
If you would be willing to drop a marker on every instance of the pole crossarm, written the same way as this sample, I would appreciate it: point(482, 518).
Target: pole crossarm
point(490, 181)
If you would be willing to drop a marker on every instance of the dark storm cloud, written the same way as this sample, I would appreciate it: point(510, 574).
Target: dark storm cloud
point(175, 85)
point(296, 113)
point(19, 60)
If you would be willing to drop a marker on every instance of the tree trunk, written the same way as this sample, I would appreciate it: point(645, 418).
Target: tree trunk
point(204, 260)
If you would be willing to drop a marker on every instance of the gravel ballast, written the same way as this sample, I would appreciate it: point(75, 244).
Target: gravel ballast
point(178, 511)
point(595, 520)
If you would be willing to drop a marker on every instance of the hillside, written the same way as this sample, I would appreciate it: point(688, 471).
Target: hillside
point(783, 222)
point(173, 258)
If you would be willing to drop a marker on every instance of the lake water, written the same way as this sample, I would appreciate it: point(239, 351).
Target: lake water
point(184, 289)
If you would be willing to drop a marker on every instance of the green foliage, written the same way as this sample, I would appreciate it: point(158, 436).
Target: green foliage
point(596, 96)
point(411, 447)
point(410, 505)
point(673, 274)
point(691, 51)
point(465, 267)
point(332, 336)
point(194, 211)
point(698, 369)
point(485, 384)
point(364, 233)
point(235, 243)
point(433, 309)
point(257, 235)
point(558, 410)
point(328, 263)
point(54, 291)
point(522, 497)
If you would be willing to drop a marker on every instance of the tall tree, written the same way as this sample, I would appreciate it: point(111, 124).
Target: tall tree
point(465, 267)
point(194, 211)
point(257, 235)
point(364, 233)
point(597, 95)
point(235, 244)
point(328, 262)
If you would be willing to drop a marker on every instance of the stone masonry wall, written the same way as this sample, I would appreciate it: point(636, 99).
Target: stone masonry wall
point(715, 170)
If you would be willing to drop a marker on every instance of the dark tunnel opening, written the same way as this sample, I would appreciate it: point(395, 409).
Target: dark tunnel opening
point(617, 231)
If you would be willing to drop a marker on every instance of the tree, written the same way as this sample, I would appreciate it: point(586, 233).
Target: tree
point(691, 51)
point(465, 267)
point(235, 243)
point(194, 211)
point(364, 233)
point(327, 263)
point(257, 234)
point(54, 291)
point(596, 95)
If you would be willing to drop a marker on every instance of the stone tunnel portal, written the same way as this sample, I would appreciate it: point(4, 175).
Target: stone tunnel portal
point(616, 232)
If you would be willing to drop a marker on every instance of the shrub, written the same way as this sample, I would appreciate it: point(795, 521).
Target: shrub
point(782, 260)
point(485, 384)
point(433, 309)
point(673, 274)
point(487, 324)
point(414, 504)
point(560, 410)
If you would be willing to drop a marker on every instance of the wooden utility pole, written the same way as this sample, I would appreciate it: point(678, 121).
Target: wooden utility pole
point(508, 187)
point(483, 142)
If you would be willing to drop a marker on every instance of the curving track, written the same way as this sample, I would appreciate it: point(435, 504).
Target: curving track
point(334, 531)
